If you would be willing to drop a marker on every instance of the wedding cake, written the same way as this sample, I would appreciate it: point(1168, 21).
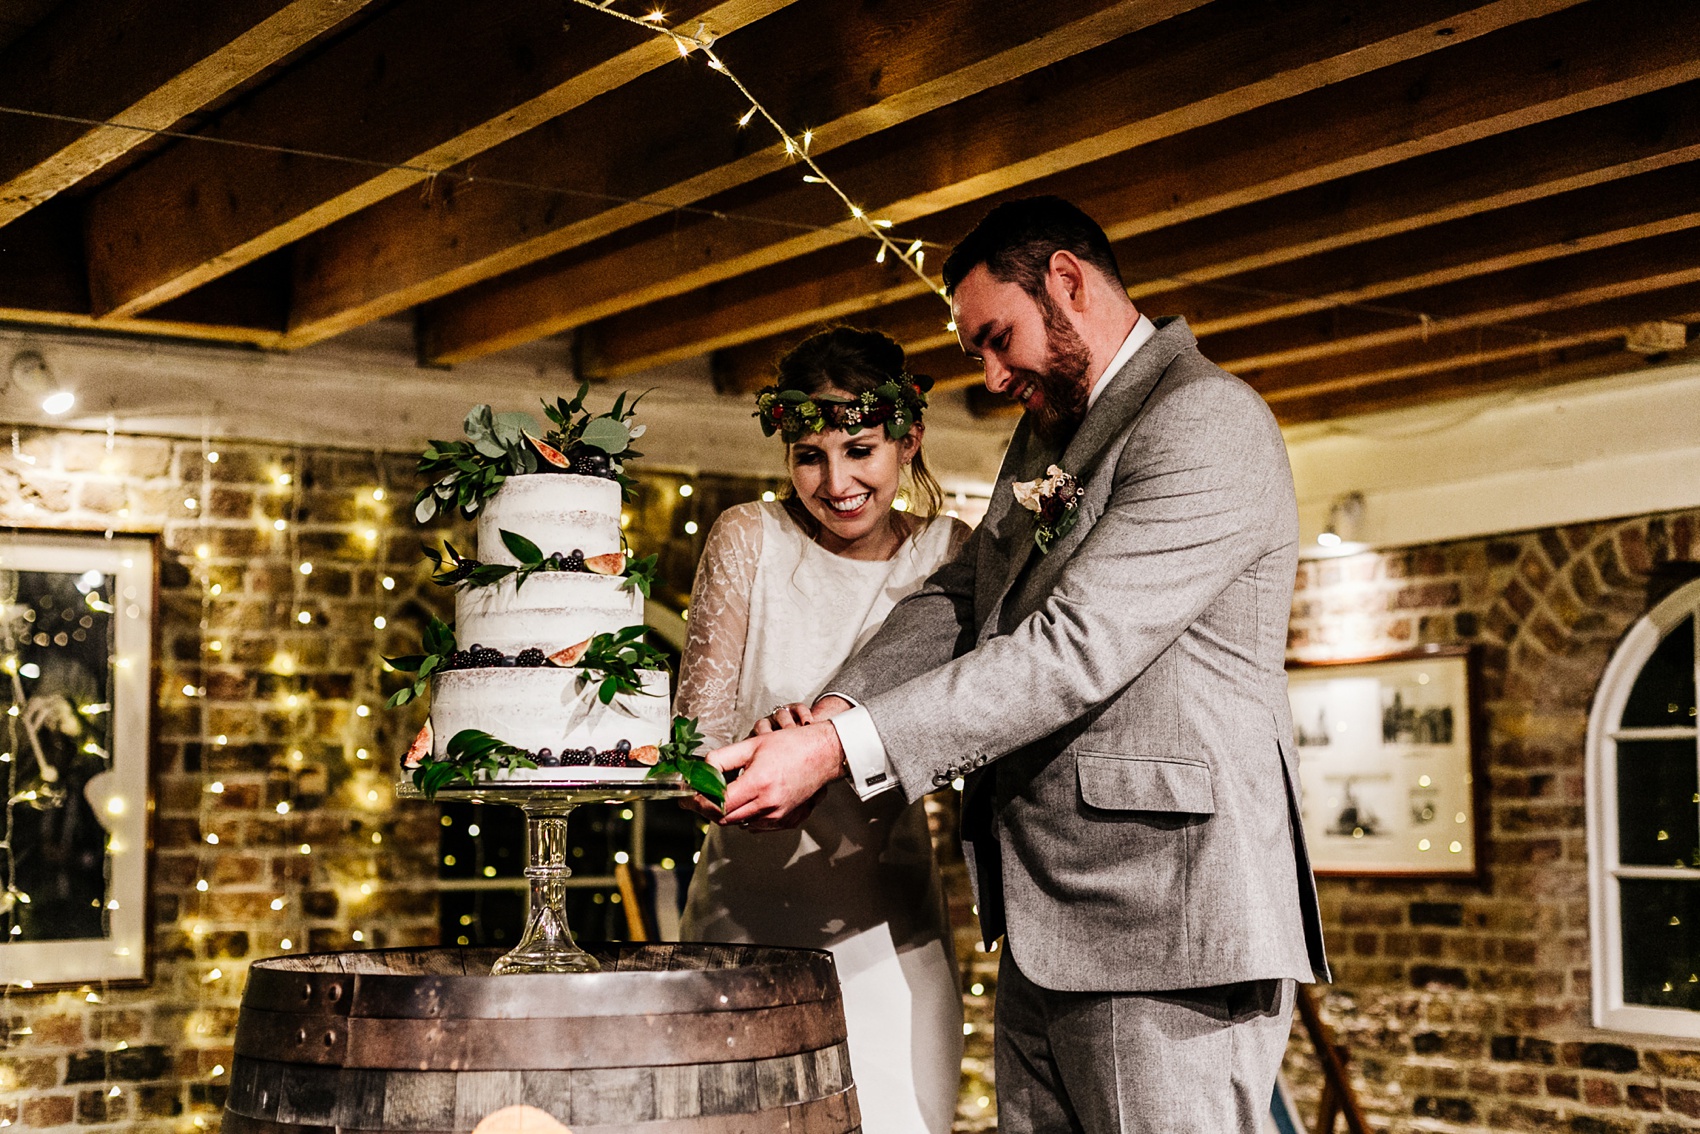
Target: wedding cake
point(554, 681)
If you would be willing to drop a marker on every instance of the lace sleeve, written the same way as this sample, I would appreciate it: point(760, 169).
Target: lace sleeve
point(718, 625)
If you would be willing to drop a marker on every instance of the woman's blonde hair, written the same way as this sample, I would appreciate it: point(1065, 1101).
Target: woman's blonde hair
point(856, 362)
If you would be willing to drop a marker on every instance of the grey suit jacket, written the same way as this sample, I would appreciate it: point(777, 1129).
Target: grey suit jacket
point(1119, 704)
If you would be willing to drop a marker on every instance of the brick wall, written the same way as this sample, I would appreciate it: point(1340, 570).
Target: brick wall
point(279, 727)
point(1465, 1006)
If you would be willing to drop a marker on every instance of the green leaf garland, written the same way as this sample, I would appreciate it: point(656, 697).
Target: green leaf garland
point(468, 753)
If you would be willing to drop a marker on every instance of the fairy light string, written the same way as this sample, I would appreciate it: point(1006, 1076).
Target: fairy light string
point(796, 146)
point(207, 971)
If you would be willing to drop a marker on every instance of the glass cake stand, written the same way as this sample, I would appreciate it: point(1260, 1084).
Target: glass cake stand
point(548, 797)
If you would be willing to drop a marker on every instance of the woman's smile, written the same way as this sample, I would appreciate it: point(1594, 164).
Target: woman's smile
point(847, 506)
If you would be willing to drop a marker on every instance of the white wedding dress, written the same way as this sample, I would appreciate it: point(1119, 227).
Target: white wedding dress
point(773, 615)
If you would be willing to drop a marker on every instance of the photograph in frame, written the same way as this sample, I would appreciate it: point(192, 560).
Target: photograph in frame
point(1387, 771)
point(77, 615)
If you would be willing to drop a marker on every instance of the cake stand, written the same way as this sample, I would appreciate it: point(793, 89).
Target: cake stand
point(548, 796)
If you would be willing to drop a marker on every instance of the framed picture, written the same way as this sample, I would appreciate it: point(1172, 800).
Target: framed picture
point(77, 614)
point(1388, 772)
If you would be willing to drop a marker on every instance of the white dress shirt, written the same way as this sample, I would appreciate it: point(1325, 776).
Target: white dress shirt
point(864, 752)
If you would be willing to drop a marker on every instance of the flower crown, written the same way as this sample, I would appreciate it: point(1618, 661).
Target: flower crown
point(897, 404)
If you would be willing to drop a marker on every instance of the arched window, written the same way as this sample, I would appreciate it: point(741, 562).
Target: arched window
point(1644, 826)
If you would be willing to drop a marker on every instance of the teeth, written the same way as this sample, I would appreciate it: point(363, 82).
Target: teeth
point(848, 505)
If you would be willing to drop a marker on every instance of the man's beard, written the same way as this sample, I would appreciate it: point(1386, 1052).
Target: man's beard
point(1062, 383)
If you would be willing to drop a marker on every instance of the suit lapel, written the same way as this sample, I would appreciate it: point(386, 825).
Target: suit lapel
point(1125, 396)
point(1120, 402)
point(1029, 456)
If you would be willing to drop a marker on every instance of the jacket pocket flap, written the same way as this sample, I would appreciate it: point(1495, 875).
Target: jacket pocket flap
point(1144, 783)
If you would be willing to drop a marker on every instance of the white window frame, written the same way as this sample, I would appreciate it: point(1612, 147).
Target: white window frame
point(1604, 869)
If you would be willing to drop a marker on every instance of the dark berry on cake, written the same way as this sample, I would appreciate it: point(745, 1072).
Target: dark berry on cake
point(531, 658)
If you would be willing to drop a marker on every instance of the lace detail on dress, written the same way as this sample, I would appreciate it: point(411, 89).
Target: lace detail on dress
point(713, 661)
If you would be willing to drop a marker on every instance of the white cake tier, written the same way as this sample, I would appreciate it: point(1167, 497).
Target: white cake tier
point(557, 511)
point(553, 610)
point(548, 708)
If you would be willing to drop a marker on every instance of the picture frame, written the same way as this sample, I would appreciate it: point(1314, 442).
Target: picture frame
point(78, 634)
point(1389, 763)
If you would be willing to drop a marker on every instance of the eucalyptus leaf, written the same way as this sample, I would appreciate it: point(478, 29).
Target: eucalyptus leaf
point(424, 508)
point(607, 434)
point(510, 427)
point(479, 423)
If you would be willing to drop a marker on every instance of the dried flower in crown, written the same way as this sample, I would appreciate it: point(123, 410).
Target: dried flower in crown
point(896, 404)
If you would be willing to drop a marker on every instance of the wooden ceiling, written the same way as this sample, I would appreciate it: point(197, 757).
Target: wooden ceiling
point(1355, 203)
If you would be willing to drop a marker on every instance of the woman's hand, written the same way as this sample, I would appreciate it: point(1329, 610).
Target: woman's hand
point(785, 716)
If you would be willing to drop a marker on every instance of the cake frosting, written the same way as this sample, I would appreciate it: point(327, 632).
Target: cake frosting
point(500, 684)
point(549, 709)
point(561, 512)
point(551, 610)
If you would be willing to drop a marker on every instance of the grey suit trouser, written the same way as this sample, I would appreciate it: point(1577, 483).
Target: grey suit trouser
point(1199, 1061)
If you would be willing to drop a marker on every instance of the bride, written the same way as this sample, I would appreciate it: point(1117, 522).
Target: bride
point(785, 593)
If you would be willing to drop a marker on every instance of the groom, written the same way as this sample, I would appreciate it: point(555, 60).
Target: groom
point(1103, 664)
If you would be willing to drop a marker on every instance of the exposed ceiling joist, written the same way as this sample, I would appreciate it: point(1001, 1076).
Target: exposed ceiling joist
point(144, 63)
point(1662, 202)
point(669, 139)
point(1595, 146)
point(1221, 62)
point(436, 82)
point(1355, 204)
point(1590, 322)
point(1504, 297)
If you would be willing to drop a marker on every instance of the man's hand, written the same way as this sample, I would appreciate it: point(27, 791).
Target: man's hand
point(780, 773)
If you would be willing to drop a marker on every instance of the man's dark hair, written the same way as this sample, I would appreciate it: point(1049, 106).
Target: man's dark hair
point(1015, 242)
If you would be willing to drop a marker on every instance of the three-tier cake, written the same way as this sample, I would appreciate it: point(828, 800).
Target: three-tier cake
point(545, 675)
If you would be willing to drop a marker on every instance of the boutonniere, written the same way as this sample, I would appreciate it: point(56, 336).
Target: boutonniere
point(1054, 499)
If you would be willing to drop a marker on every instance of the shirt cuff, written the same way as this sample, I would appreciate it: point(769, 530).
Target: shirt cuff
point(864, 752)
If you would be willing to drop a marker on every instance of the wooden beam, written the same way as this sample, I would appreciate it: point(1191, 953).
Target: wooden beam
point(143, 63)
point(1210, 65)
point(1454, 350)
point(746, 368)
point(836, 284)
point(669, 139)
point(1660, 203)
point(436, 82)
point(1569, 364)
point(43, 283)
point(1595, 147)
point(1509, 296)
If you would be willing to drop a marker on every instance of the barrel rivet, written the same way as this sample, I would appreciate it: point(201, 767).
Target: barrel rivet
point(330, 1038)
point(307, 991)
point(301, 1036)
point(334, 992)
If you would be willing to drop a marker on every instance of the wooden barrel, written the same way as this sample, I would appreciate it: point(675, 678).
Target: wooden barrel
point(693, 1039)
